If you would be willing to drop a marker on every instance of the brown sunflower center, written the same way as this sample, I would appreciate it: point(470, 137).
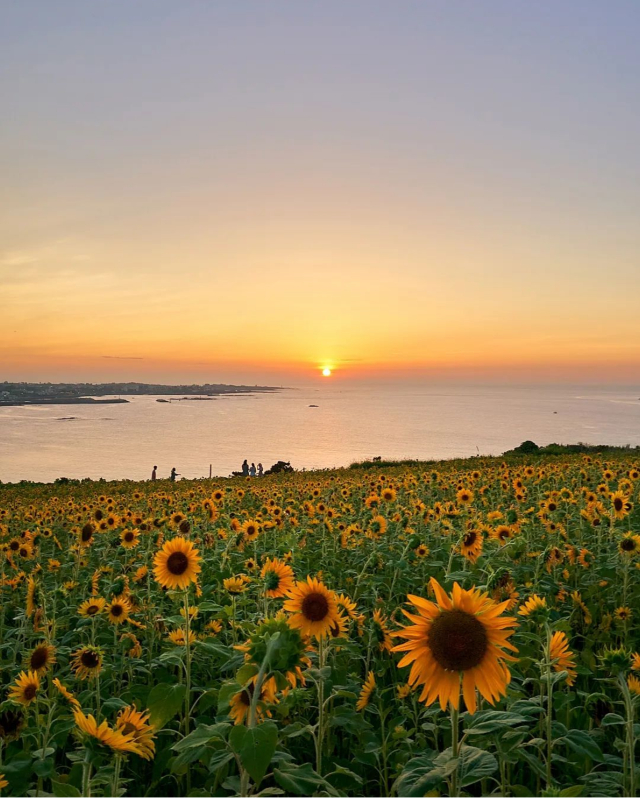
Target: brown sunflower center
point(116, 610)
point(93, 609)
point(617, 503)
point(90, 659)
point(30, 692)
point(315, 607)
point(87, 533)
point(469, 539)
point(177, 563)
point(39, 658)
point(458, 640)
point(628, 544)
point(127, 728)
point(128, 536)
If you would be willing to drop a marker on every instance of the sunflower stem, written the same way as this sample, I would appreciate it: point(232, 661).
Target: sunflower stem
point(549, 719)
point(187, 694)
point(455, 749)
point(86, 774)
point(631, 738)
point(321, 660)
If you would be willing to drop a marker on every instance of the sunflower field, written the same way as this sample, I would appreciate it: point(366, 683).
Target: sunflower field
point(459, 628)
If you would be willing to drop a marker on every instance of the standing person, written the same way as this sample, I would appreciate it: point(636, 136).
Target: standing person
point(245, 469)
point(154, 476)
point(174, 474)
point(260, 470)
point(252, 470)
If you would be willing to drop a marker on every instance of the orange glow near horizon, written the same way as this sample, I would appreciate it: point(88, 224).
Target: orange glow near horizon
point(325, 217)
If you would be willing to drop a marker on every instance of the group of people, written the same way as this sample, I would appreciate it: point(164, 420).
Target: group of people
point(172, 477)
point(251, 470)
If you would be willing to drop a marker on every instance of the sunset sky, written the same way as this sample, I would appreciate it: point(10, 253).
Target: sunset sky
point(251, 191)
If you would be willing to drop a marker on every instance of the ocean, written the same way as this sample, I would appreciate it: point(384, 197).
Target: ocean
point(350, 422)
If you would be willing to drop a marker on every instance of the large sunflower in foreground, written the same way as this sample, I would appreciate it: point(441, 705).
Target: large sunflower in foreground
point(313, 608)
point(176, 565)
point(457, 643)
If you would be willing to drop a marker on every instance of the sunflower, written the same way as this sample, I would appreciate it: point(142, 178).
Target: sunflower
point(347, 605)
point(251, 530)
point(251, 565)
point(11, 725)
point(176, 565)
point(313, 606)
point(179, 638)
point(240, 703)
point(118, 611)
point(66, 693)
point(464, 496)
point(105, 734)
point(236, 584)
point(381, 632)
point(533, 605)
point(86, 662)
point(132, 722)
point(456, 643)
point(25, 689)
point(367, 690)
point(339, 628)
point(635, 661)
point(41, 658)
point(471, 544)
point(633, 683)
point(278, 578)
point(85, 536)
point(623, 614)
point(91, 607)
point(620, 505)
point(502, 533)
point(630, 544)
point(421, 551)
point(562, 657)
point(129, 538)
point(30, 606)
point(213, 628)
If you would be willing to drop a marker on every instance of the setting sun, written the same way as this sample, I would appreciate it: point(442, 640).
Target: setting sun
point(326, 372)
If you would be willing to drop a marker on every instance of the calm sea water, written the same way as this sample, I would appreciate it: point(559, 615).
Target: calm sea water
point(350, 423)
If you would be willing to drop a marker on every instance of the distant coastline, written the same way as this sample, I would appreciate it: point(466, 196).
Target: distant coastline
point(14, 394)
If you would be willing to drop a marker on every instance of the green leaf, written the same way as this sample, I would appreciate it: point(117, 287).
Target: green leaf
point(612, 719)
point(201, 736)
point(246, 672)
point(255, 747)
point(165, 701)
point(301, 780)
point(583, 743)
point(493, 720)
point(419, 776)
point(475, 764)
point(219, 759)
point(572, 792)
point(61, 790)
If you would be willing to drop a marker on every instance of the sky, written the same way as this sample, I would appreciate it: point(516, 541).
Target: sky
point(245, 191)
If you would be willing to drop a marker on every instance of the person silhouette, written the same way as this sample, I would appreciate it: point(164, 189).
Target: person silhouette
point(252, 470)
point(260, 470)
point(174, 474)
point(154, 476)
point(245, 469)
